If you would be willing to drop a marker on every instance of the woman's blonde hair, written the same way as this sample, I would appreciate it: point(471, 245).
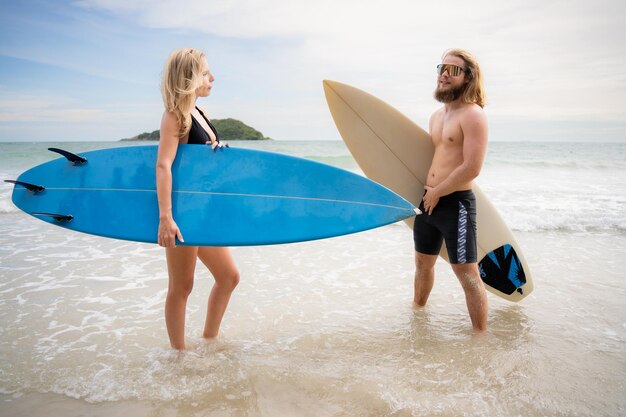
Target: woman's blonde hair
point(475, 91)
point(182, 76)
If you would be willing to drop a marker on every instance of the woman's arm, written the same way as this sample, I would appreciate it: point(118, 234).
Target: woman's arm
point(168, 145)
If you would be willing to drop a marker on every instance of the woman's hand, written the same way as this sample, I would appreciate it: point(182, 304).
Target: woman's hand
point(215, 144)
point(168, 232)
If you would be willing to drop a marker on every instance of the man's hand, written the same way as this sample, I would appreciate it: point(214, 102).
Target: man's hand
point(430, 199)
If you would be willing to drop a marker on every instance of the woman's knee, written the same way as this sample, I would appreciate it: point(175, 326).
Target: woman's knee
point(181, 264)
point(229, 280)
point(180, 287)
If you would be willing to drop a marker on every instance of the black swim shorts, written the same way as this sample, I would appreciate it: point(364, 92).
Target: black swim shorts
point(453, 219)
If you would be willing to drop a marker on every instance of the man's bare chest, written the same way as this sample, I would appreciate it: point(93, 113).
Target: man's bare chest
point(447, 133)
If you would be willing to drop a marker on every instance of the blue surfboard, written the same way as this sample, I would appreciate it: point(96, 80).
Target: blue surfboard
point(232, 197)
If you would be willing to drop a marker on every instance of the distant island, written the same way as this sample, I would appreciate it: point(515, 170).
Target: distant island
point(229, 129)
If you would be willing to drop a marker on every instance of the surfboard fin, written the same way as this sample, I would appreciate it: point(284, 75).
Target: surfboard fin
point(502, 269)
point(57, 217)
point(30, 187)
point(73, 158)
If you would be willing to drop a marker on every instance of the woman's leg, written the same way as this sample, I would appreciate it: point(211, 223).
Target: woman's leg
point(181, 263)
point(220, 262)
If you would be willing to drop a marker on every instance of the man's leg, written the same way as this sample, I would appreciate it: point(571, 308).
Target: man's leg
point(475, 295)
point(424, 278)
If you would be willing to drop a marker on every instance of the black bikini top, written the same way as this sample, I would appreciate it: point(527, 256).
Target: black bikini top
point(197, 134)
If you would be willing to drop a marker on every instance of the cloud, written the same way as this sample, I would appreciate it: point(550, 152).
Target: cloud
point(24, 108)
point(543, 61)
point(49, 116)
point(539, 57)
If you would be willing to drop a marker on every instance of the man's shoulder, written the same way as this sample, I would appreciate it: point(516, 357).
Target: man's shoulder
point(473, 108)
point(437, 113)
point(473, 113)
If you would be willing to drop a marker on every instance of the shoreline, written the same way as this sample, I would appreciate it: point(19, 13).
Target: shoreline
point(36, 404)
point(270, 402)
point(373, 356)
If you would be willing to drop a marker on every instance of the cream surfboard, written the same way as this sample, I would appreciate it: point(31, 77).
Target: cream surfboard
point(395, 152)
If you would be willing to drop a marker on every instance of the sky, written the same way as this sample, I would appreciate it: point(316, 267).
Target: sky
point(90, 70)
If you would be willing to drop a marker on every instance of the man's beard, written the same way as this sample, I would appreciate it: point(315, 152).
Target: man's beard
point(448, 96)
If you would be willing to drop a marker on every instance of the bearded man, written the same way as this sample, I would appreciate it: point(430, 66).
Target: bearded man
point(459, 135)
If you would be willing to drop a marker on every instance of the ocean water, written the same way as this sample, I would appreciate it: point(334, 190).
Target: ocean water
point(326, 328)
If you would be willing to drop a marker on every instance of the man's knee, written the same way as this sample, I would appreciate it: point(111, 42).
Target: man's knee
point(468, 275)
point(425, 262)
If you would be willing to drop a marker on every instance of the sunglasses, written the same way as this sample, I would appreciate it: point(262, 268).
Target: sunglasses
point(453, 70)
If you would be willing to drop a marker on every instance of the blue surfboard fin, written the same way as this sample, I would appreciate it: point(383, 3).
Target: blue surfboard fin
point(73, 158)
point(30, 187)
point(502, 269)
point(57, 217)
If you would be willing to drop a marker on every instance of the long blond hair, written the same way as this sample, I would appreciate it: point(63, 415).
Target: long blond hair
point(475, 91)
point(182, 76)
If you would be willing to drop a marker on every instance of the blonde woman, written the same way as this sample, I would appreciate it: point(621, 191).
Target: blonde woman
point(186, 77)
